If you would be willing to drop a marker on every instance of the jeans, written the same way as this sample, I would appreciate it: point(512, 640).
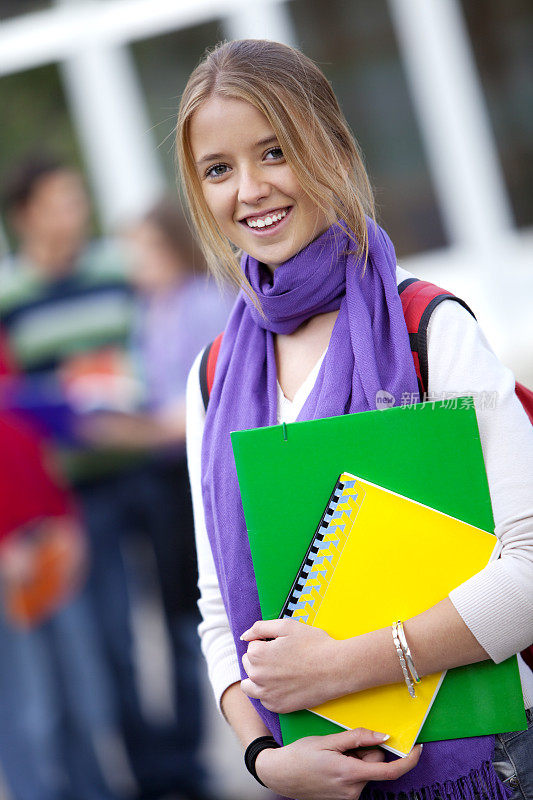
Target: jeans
point(513, 760)
point(54, 704)
point(146, 501)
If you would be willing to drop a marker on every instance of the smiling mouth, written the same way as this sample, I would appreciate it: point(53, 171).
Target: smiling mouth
point(268, 221)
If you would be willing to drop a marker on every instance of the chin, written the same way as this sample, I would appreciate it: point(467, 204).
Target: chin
point(275, 254)
point(272, 260)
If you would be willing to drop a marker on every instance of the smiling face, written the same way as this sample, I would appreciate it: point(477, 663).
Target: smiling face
point(251, 191)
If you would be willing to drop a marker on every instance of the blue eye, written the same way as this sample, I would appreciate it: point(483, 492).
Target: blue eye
point(216, 171)
point(275, 152)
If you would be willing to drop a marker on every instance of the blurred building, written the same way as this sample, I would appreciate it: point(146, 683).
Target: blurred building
point(438, 92)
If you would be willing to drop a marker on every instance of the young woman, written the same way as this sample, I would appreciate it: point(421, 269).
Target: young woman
point(270, 168)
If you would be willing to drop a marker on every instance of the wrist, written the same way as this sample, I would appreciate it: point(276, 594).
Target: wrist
point(263, 765)
point(348, 657)
point(253, 752)
point(370, 660)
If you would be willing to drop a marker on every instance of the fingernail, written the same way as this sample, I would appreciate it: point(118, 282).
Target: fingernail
point(241, 637)
point(381, 737)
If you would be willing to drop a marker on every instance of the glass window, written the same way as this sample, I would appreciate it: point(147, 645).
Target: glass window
point(502, 37)
point(38, 119)
point(14, 8)
point(164, 64)
point(355, 45)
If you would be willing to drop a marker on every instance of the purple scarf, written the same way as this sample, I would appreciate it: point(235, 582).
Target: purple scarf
point(369, 351)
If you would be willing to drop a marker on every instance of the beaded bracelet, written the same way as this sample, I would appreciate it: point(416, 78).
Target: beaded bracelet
point(407, 677)
point(253, 750)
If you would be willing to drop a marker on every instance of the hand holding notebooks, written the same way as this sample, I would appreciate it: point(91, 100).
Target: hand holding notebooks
point(377, 556)
point(431, 453)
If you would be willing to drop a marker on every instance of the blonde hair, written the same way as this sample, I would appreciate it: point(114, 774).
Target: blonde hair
point(299, 103)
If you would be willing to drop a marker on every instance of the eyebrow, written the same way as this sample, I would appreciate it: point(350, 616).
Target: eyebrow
point(216, 156)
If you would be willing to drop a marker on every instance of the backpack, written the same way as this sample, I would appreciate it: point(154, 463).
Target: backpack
point(419, 300)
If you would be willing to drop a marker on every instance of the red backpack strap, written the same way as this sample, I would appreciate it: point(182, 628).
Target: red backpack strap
point(419, 301)
point(207, 368)
point(525, 396)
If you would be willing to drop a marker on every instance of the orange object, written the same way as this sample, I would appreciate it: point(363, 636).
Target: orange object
point(40, 570)
point(101, 380)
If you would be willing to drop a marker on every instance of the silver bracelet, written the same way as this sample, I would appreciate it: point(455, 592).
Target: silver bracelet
point(407, 653)
point(407, 677)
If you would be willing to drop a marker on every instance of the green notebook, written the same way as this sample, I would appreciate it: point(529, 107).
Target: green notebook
point(428, 452)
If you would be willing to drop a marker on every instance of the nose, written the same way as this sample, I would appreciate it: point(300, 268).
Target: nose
point(252, 186)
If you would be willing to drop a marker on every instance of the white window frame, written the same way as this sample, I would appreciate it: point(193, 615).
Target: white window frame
point(488, 260)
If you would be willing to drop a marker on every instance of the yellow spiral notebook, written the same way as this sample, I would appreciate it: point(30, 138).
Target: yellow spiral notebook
point(377, 557)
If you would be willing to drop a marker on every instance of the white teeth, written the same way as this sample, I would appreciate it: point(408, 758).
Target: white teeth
point(267, 221)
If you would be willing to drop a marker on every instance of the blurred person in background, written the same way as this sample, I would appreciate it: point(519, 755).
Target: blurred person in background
point(50, 720)
point(178, 310)
point(66, 312)
point(176, 306)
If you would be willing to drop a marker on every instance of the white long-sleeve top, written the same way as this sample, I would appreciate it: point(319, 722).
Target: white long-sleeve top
point(497, 603)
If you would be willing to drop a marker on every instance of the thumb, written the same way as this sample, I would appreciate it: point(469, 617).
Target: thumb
point(350, 740)
point(268, 629)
